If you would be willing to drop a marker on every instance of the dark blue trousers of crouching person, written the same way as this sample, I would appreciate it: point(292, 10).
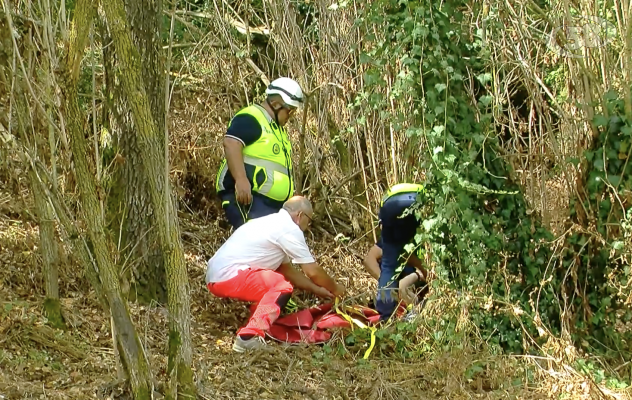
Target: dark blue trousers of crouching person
point(396, 233)
point(238, 214)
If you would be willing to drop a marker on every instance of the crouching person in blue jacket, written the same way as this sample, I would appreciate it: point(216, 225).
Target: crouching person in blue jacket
point(384, 258)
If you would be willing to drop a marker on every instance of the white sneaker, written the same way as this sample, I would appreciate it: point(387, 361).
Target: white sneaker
point(255, 343)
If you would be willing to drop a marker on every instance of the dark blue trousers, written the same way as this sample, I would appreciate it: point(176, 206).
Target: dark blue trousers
point(396, 233)
point(238, 214)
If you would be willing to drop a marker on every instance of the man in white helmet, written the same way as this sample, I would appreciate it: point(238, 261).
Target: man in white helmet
point(255, 178)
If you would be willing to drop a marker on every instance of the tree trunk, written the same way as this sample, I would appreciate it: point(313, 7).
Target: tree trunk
point(27, 124)
point(180, 347)
point(129, 345)
point(49, 248)
point(80, 247)
point(138, 237)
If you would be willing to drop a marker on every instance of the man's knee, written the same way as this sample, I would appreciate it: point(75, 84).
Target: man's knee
point(277, 282)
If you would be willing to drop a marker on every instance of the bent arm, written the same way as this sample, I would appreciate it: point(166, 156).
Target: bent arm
point(372, 261)
point(416, 262)
point(317, 274)
point(234, 158)
point(296, 278)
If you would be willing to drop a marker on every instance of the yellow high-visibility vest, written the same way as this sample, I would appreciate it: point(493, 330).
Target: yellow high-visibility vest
point(270, 155)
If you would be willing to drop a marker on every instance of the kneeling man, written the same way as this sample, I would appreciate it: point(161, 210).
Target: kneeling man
point(254, 265)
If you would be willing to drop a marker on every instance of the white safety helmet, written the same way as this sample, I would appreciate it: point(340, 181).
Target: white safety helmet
point(288, 89)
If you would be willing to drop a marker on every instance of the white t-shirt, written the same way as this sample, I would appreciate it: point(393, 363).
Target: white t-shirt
point(264, 243)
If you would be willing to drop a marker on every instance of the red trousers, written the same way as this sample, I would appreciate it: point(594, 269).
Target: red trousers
point(263, 287)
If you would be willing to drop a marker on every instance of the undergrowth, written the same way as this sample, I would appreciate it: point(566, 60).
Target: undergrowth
point(523, 291)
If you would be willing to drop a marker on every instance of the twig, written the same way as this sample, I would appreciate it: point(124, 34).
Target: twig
point(301, 146)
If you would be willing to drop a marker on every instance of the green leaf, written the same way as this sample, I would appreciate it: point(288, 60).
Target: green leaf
point(618, 245)
point(414, 132)
point(365, 58)
point(611, 95)
point(484, 78)
point(600, 120)
point(626, 130)
point(614, 180)
point(573, 160)
point(486, 100)
point(439, 129)
point(440, 87)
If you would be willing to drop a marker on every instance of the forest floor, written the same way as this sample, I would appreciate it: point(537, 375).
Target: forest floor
point(79, 363)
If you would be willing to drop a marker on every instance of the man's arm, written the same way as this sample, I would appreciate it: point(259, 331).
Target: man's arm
point(301, 281)
point(234, 158)
point(243, 131)
point(317, 274)
point(294, 245)
point(416, 262)
point(371, 261)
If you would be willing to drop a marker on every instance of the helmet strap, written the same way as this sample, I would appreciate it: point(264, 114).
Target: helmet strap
point(276, 112)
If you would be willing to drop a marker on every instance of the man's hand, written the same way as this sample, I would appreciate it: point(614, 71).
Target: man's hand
point(406, 292)
point(322, 292)
point(242, 191)
point(339, 291)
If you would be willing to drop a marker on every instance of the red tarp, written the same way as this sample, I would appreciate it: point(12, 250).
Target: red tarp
point(311, 325)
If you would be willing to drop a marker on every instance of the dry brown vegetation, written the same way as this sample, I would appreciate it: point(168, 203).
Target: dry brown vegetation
point(41, 363)
point(344, 178)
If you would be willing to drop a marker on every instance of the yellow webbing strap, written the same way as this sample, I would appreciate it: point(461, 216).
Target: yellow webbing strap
point(353, 321)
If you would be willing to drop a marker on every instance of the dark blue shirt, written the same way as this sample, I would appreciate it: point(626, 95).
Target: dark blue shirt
point(245, 128)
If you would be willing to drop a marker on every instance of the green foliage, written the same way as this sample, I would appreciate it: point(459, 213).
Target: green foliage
point(597, 374)
point(607, 183)
point(482, 239)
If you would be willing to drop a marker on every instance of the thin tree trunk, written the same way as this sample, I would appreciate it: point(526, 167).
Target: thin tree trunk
point(49, 248)
point(80, 247)
point(129, 345)
point(27, 124)
point(180, 346)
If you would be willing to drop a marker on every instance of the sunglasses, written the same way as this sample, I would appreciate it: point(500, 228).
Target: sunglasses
point(290, 110)
point(308, 217)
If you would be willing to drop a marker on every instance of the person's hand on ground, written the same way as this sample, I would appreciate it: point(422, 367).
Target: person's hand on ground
point(322, 292)
point(242, 191)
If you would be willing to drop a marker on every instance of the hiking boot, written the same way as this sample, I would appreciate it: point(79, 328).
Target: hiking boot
point(255, 343)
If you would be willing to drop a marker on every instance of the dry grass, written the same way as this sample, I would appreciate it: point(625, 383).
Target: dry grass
point(38, 362)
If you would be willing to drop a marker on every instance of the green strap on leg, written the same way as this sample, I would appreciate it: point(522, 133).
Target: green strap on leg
point(244, 215)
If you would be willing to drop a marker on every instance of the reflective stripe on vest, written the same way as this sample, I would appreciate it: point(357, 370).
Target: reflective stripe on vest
point(402, 188)
point(272, 153)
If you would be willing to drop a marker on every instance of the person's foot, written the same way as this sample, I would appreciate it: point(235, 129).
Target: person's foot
point(254, 343)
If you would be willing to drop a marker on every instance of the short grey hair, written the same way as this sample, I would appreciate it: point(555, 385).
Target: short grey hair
point(297, 204)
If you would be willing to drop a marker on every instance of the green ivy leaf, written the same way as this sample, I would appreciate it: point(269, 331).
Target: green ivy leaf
point(486, 100)
point(600, 120)
point(484, 78)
